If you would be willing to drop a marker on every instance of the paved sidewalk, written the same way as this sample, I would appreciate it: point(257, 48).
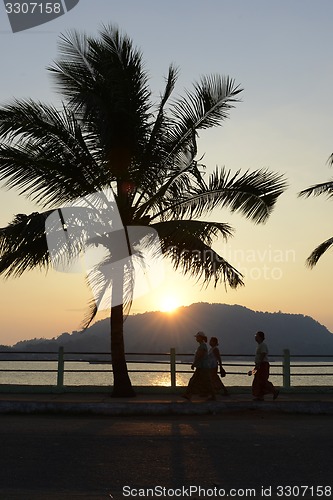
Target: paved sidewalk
point(161, 404)
point(93, 457)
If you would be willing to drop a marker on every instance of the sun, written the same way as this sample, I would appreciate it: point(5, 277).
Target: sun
point(169, 304)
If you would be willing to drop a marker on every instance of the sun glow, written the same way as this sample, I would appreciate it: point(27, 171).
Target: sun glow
point(169, 304)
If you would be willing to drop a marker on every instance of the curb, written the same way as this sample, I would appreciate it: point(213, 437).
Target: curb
point(169, 408)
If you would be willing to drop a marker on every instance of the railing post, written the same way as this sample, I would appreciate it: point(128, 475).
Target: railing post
point(61, 367)
point(286, 368)
point(173, 367)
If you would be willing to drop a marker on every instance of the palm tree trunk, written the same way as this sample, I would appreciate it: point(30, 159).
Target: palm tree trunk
point(122, 386)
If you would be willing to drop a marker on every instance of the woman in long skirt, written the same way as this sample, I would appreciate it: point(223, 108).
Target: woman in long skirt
point(215, 362)
point(261, 385)
point(200, 382)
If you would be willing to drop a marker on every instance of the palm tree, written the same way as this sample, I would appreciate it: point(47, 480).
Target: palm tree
point(325, 188)
point(109, 135)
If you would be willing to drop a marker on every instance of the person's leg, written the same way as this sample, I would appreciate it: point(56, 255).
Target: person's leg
point(219, 384)
point(225, 390)
point(207, 382)
point(269, 387)
point(259, 384)
point(189, 390)
point(216, 381)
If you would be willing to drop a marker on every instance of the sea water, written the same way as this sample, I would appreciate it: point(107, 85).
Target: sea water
point(157, 374)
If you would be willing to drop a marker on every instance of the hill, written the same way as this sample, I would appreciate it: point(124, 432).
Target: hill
point(234, 326)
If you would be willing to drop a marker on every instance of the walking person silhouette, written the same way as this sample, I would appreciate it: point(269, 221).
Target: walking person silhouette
point(215, 363)
point(261, 385)
point(200, 382)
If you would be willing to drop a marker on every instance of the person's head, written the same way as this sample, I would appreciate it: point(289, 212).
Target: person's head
point(260, 337)
point(200, 337)
point(213, 342)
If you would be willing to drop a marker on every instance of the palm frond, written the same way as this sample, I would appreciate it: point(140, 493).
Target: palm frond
point(206, 106)
point(50, 161)
point(253, 194)
point(169, 185)
point(147, 173)
point(102, 277)
point(207, 231)
point(188, 245)
point(325, 188)
point(105, 82)
point(318, 252)
point(76, 65)
point(23, 244)
point(160, 124)
point(330, 160)
point(318, 189)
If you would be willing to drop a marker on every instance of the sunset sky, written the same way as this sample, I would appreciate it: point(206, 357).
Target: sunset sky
point(280, 53)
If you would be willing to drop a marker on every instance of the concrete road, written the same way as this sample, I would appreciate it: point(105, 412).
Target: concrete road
point(242, 455)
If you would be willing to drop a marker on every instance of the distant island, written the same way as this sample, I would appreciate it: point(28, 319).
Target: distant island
point(234, 325)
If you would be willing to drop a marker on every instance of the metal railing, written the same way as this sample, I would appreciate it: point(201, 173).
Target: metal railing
point(171, 360)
